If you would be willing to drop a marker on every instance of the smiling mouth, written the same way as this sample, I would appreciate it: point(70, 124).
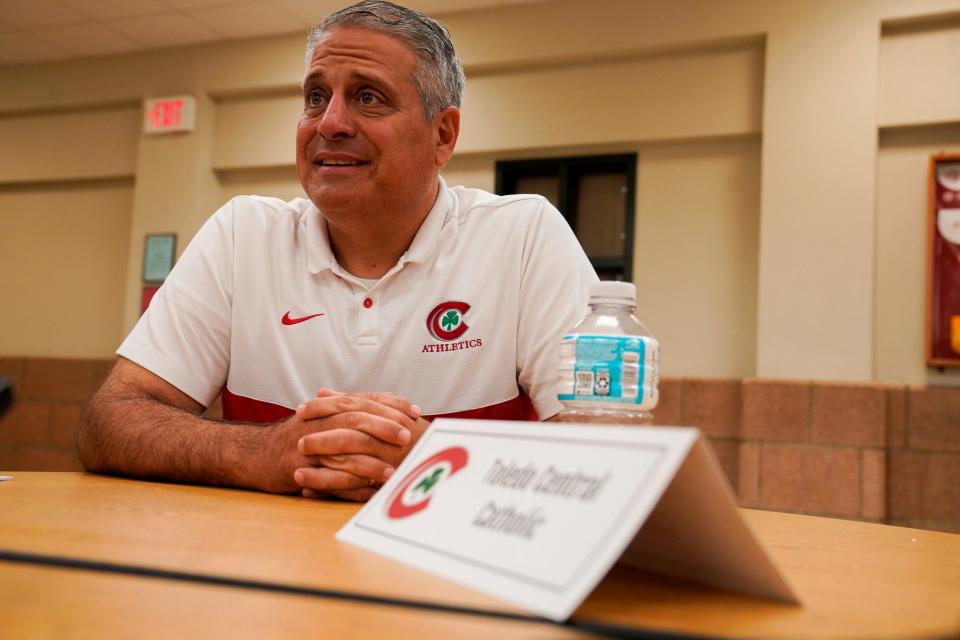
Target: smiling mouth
point(339, 163)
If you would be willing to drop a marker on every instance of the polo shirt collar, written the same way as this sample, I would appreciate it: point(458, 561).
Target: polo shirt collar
point(425, 243)
point(320, 254)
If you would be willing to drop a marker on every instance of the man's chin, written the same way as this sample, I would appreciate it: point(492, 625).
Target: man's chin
point(339, 199)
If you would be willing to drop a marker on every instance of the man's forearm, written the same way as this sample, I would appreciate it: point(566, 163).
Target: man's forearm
point(136, 435)
point(140, 425)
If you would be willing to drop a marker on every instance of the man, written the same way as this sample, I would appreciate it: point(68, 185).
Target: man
point(323, 321)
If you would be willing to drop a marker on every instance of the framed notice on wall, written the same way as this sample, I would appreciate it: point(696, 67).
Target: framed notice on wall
point(158, 253)
point(943, 261)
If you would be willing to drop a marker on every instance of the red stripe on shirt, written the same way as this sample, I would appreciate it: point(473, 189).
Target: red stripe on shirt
point(518, 408)
point(242, 409)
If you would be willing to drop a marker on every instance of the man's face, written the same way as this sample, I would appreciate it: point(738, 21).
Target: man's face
point(363, 145)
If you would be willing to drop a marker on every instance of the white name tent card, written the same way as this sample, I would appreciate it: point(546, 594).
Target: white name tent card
point(537, 513)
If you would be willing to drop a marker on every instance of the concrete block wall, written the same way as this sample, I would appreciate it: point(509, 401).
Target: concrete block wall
point(924, 457)
point(871, 452)
point(39, 431)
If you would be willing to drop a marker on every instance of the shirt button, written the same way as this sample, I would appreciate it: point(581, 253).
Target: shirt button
point(367, 303)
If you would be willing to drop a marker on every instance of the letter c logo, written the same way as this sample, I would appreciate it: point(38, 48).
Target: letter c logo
point(414, 493)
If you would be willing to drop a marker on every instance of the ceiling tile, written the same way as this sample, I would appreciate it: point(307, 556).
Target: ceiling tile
point(434, 7)
point(315, 10)
point(52, 29)
point(89, 39)
point(109, 9)
point(195, 4)
point(444, 7)
point(21, 47)
point(247, 20)
point(310, 11)
point(167, 30)
point(26, 14)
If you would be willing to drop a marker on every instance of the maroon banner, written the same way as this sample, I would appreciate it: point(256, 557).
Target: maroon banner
point(943, 281)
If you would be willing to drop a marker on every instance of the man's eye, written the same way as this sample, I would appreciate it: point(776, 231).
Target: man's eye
point(314, 99)
point(369, 98)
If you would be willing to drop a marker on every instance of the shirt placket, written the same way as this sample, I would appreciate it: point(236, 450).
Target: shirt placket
point(368, 316)
point(368, 307)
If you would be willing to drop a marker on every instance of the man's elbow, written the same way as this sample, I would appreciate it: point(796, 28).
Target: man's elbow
point(90, 436)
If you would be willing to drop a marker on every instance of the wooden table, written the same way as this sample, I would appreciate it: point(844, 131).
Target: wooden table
point(273, 568)
point(41, 602)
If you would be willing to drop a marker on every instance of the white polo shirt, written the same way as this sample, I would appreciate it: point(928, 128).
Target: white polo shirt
point(467, 322)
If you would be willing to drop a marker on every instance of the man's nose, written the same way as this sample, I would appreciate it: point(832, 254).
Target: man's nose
point(337, 120)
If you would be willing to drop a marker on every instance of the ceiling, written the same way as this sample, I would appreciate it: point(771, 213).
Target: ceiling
point(44, 30)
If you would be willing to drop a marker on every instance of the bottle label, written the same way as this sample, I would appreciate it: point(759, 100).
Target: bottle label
point(614, 370)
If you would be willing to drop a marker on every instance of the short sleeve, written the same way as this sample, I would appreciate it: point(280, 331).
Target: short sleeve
point(184, 336)
point(554, 289)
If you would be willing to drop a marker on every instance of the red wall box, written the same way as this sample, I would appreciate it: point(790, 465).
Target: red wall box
point(943, 261)
point(149, 290)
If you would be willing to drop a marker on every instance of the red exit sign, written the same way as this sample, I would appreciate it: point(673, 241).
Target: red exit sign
point(173, 113)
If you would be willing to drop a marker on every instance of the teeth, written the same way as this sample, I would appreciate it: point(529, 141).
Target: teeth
point(339, 163)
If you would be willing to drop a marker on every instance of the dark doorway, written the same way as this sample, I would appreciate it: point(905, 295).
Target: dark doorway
point(596, 195)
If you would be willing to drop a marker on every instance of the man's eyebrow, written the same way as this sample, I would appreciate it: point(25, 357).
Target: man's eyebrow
point(309, 79)
point(363, 78)
point(355, 76)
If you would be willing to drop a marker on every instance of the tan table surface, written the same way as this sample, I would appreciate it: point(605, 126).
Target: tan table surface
point(44, 602)
point(855, 579)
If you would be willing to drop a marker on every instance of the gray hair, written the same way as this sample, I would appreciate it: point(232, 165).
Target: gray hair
point(438, 74)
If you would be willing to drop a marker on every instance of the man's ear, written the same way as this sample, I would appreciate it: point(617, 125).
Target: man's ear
point(446, 128)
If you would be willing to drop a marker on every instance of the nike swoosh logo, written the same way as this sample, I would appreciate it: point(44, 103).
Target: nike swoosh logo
point(286, 319)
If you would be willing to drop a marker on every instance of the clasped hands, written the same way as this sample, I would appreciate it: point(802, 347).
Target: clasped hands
point(351, 443)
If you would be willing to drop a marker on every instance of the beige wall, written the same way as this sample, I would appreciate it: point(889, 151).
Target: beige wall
point(919, 115)
point(817, 185)
point(279, 182)
point(66, 192)
point(695, 263)
point(474, 170)
point(256, 131)
point(918, 71)
point(78, 145)
point(695, 245)
point(63, 256)
point(176, 191)
point(686, 95)
point(777, 264)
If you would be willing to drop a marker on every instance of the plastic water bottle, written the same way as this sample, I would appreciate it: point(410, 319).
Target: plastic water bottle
point(609, 363)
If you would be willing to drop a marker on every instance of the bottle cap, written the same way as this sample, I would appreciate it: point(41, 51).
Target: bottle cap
point(613, 292)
